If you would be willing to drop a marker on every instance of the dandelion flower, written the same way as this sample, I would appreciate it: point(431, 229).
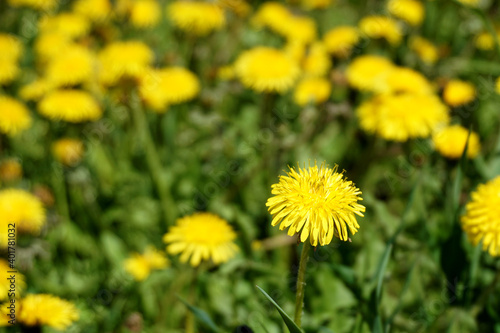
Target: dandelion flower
point(272, 15)
point(71, 25)
point(315, 4)
point(340, 41)
point(46, 310)
point(35, 4)
point(69, 105)
point(457, 92)
point(485, 41)
point(5, 282)
point(124, 59)
point(411, 11)
point(9, 70)
point(141, 265)
point(481, 221)
point(381, 27)
point(404, 80)
point(10, 170)
point(317, 202)
point(240, 7)
point(50, 44)
point(315, 90)
point(35, 90)
point(160, 88)
point(145, 13)
point(367, 72)
point(94, 10)
point(266, 69)
point(450, 142)
point(199, 18)
point(11, 47)
point(424, 49)
point(295, 50)
point(21, 208)
point(316, 62)
point(300, 29)
point(14, 116)
point(76, 65)
point(68, 151)
point(201, 236)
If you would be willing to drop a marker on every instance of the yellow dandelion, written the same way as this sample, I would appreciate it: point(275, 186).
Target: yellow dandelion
point(317, 61)
point(381, 27)
point(35, 90)
point(14, 116)
point(11, 47)
point(317, 203)
point(315, 4)
point(10, 170)
point(69, 105)
point(5, 282)
point(295, 50)
point(68, 151)
point(340, 41)
point(481, 221)
point(368, 72)
point(163, 87)
point(145, 13)
point(312, 90)
point(457, 92)
point(22, 209)
point(411, 11)
point(48, 45)
point(300, 29)
point(123, 60)
point(198, 18)
point(450, 142)
point(74, 66)
point(424, 49)
point(46, 310)
point(94, 10)
point(240, 7)
point(35, 4)
point(72, 25)
point(403, 116)
point(272, 15)
point(404, 80)
point(484, 41)
point(141, 265)
point(266, 69)
point(9, 70)
point(201, 237)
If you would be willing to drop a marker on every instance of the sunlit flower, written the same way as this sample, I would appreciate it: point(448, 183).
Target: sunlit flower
point(10, 170)
point(9, 70)
point(201, 237)
point(70, 105)
point(163, 87)
point(5, 281)
point(35, 4)
point(312, 90)
point(403, 116)
point(296, 50)
point(339, 41)
point(367, 72)
point(69, 24)
point(145, 13)
point(450, 142)
point(11, 47)
point(381, 27)
point(424, 49)
point(199, 18)
point(141, 265)
point(316, 202)
point(299, 29)
point(317, 61)
point(485, 41)
point(35, 90)
point(73, 66)
point(46, 310)
point(404, 80)
point(315, 4)
point(272, 15)
point(94, 10)
point(51, 44)
point(22, 209)
point(457, 92)
point(14, 116)
point(411, 11)
point(124, 59)
point(68, 151)
point(481, 221)
point(266, 69)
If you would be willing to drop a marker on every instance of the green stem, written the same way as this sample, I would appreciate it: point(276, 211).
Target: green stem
point(483, 298)
point(59, 186)
point(301, 282)
point(190, 325)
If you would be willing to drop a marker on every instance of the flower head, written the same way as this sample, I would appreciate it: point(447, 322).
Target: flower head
point(72, 25)
point(457, 92)
point(11, 52)
point(94, 10)
point(411, 11)
point(403, 80)
point(424, 49)
point(145, 13)
point(74, 66)
point(450, 142)
point(315, 90)
point(317, 202)
point(340, 41)
point(266, 69)
point(141, 265)
point(69, 105)
point(14, 116)
point(273, 15)
point(35, 90)
point(35, 4)
point(43, 309)
point(5, 282)
point(68, 151)
point(50, 44)
point(201, 236)
point(481, 221)
point(10, 170)
point(9, 70)
point(199, 18)
point(368, 72)
point(381, 27)
point(316, 62)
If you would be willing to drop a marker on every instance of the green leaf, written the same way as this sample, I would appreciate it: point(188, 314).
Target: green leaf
point(201, 315)
point(288, 321)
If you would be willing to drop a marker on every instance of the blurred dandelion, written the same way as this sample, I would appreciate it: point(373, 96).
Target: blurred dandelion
point(450, 142)
point(14, 116)
point(141, 265)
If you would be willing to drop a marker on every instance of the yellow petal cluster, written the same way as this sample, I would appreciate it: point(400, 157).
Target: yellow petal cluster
point(11, 50)
point(94, 10)
point(450, 142)
point(68, 151)
point(145, 13)
point(46, 310)
point(411, 11)
point(340, 40)
point(317, 61)
point(10, 170)
point(141, 265)
point(424, 49)
point(376, 26)
point(14, 116)
point(196, 17)
point(70, 105)
point(457, 92)
point(312, 90)
point(74, 66)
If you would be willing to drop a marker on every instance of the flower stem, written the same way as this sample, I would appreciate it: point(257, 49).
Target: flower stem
point(59, 186)
point(301, 282)
point(483, 298)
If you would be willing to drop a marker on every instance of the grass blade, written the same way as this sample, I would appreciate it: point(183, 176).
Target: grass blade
point(201, 315)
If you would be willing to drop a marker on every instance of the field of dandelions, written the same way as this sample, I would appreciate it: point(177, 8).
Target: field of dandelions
point(230, 166)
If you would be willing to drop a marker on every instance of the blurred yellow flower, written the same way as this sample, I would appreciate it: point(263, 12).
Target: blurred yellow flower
point(71, 25)
point(9, 70)
point(240, 7)
point(381, 27)
point(266, 69)
point(317, 202)
point(10, 170)
point(124, 60)
point(51, 44)
point(497, 85)
point(295, 50)
point(14, 116)
point(35, 4)
point(46, 310)
point(69, 105)
point(340, 41)
point(485, 41)
point(35, 90)
point(312, 90)
point(68, 151)
point(20, 285)
point(316, 4)
point(166, 86)
point(368, 72)
point(272, 15)
point(199, 18)
point(94, 10)
point(22, 209)
point(317, 61)
point(457, 92)
point(481, 221)
point(411, 11)
point(300, 29)
point(404, 80)
point(424, 49)
point(141, 265)
point(145, 13)
point(201, 237)
point(11, 47)
point(403, 116)
point(450, 142)
point(73, 66)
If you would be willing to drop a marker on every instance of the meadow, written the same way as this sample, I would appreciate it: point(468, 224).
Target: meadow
point(231, 166)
